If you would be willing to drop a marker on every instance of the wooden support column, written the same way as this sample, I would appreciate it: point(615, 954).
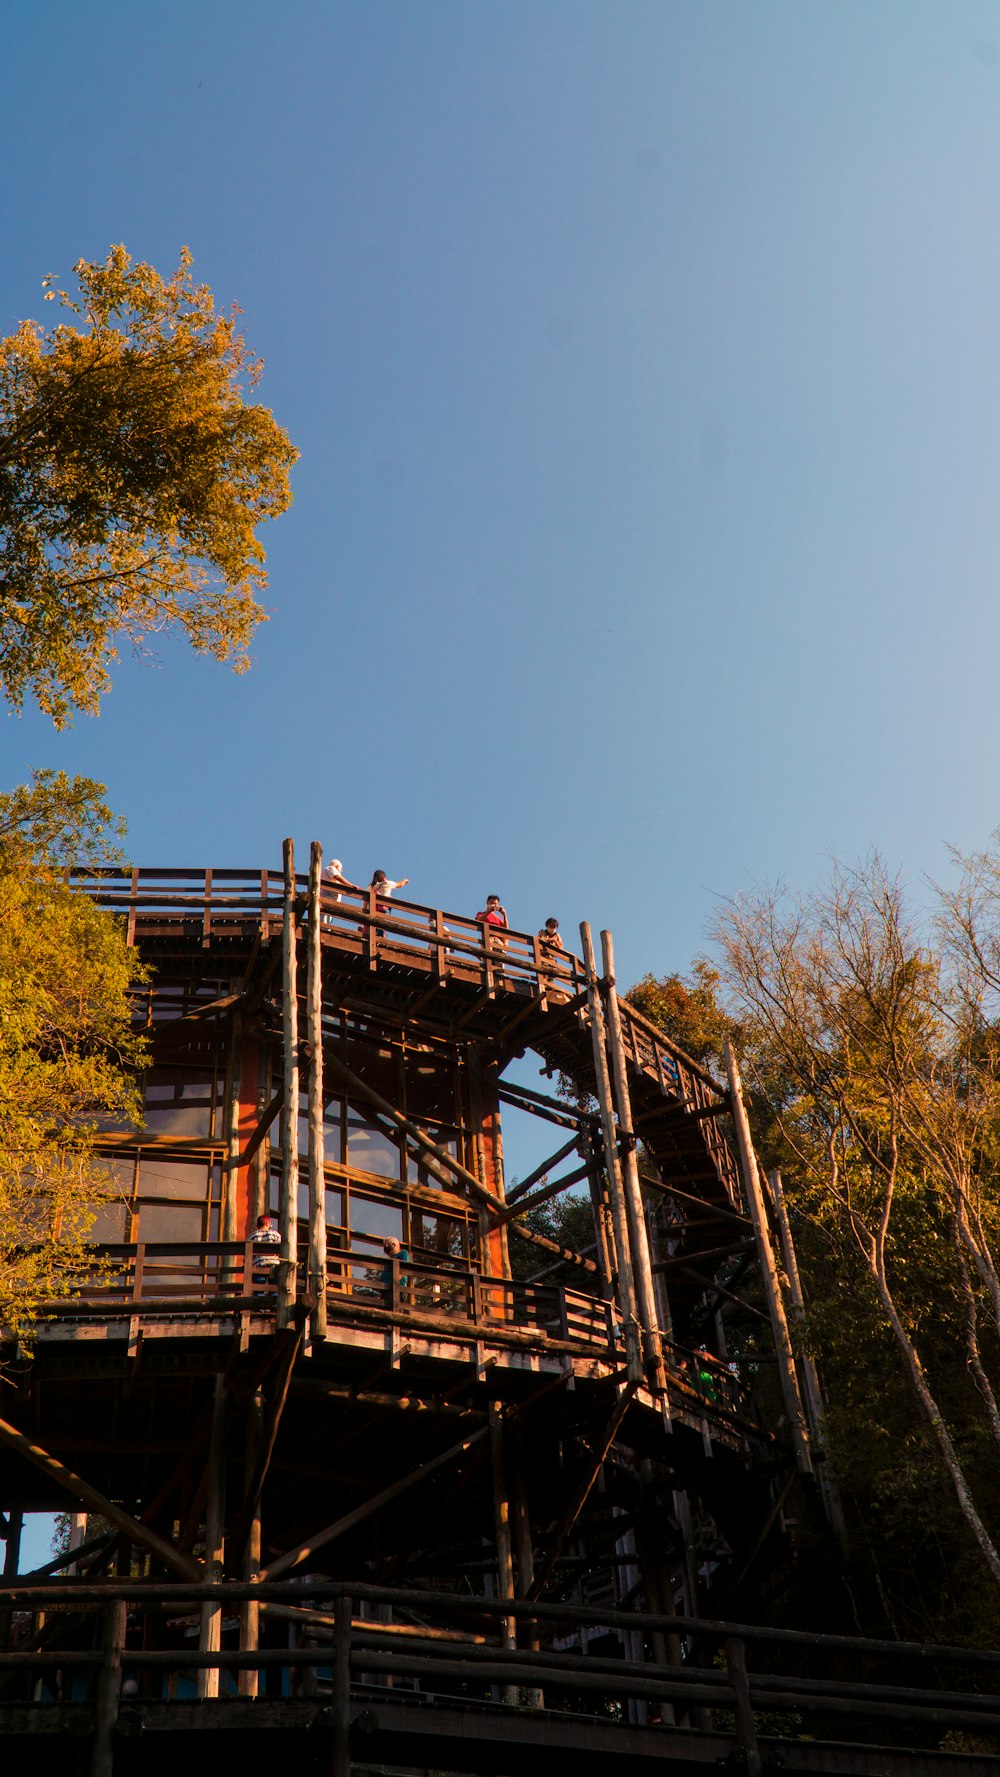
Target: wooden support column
point(317, 1157)
point(626, 1283)
point(635, 1210)
point(289, 1204)
point(603, 1230)
point(505, 1554)
point(210, 1634)
point(109, 1689)
point(812, 1388)
point(248, 1682)
point(769, 1270)
point(524, 1554)
point(230, 1183)
point(261, 1157)
point(340, 1764)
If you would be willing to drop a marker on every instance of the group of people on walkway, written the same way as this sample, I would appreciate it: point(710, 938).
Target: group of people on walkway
point(492, 916)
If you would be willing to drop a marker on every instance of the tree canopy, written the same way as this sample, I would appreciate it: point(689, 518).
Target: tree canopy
point(873, 1039)
point(133, 475)
point(68, 1053)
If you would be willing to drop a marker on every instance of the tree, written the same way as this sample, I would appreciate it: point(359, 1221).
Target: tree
point(133, 473)
point(68, 1053)
point(884, 1076)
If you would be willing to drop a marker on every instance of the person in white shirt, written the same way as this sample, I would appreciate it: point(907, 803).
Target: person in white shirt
point(383, 885)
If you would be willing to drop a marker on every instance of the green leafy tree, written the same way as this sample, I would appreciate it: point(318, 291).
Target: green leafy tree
point(133, 475)
point(68, 1054)
point(883, 1075)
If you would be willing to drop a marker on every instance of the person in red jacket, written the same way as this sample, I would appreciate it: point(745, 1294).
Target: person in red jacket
point(493, 914)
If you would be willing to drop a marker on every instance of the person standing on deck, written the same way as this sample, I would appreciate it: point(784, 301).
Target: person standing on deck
point(493, 914)
point(551, 947)
point(383, 885)
point(266, 1252)
point(333, 877)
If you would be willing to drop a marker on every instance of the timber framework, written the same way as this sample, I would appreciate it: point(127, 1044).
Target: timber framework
point(429, 1506)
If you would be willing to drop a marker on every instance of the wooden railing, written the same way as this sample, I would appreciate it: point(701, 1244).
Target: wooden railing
point(782, 1696)
point(174, 1276)
point(460, 1294)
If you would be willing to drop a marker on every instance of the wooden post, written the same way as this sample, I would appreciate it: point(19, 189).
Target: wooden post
point(505, 1555)
point(769, 1270)
point(210, 1636)
point(626, 1284)
point(811, 1386)
point(635, 1211)
point(262, 1157)
point(248, 1683)
point(314, 1034)
point(341, 1761)
point(746, 1727)
point(524, 1554)
point(229, 1192)
point(598, 1203)
point(109, 1689)
point(289, 1205)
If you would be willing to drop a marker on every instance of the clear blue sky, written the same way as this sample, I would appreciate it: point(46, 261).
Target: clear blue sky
point(643, 358)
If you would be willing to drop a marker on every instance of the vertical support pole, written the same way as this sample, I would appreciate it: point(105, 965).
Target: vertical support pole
point(210, 1634)
point(262, 1158)
point(109, 1689)
point(811, 1385)
point(769, 1270)
point(626, 1284)
point(289, 1206)
point(317, 1157)
point(11, 1562)
point(635, 1210)
point(746, 1727)
point(341, 1699)
point(599, 1206)
point(248, 1682)
point(505, 1553)
point(524, 1554)
point(229, 1194)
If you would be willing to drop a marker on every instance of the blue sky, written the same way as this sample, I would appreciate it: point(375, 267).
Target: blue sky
point(643, 361)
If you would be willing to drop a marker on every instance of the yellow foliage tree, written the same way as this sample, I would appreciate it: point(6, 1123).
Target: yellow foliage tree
point(68, 1054)
point(133, 475)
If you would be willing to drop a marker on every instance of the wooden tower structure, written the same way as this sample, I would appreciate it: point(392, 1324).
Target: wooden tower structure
point(423, 1419)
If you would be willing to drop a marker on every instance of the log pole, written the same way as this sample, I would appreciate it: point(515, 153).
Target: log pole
point(635, 1209)
point(769, 1270)
point(210, 1633)
point(812, 1388)
point(626, 1282)
point(317, 1157)
point(288, 1206)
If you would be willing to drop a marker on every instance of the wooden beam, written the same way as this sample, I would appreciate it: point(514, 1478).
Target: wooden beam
point(523, 1186)
point(276, 1407)
point(544, 1196)
point(581, 1491)
point(322, 1538)
point(565, 1253)
point(183, 1565)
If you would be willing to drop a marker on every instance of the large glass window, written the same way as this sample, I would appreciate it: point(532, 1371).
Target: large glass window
point(179, 1101)
point(369, 1148)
